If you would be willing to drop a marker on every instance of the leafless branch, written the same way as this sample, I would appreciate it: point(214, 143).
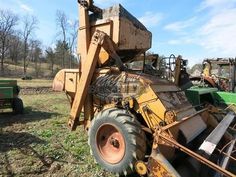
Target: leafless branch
point(8, 21)
point(29, 25)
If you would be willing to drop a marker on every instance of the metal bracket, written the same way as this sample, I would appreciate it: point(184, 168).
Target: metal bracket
point(84, 3)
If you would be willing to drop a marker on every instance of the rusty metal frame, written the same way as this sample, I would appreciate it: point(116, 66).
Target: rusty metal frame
point(163, 137)
point(183, 120)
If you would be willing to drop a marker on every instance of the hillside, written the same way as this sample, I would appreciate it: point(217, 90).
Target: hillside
point(42, 70)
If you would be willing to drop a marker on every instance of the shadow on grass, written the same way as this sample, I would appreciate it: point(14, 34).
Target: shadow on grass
point(30, 115)
point(23, 142)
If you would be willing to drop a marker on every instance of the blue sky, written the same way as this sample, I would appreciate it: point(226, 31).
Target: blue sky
point(196, 29)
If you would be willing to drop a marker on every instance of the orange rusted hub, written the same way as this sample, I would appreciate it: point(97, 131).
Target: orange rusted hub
point(110, 143)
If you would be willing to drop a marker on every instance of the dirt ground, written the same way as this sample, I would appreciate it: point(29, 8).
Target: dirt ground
point(38, 143)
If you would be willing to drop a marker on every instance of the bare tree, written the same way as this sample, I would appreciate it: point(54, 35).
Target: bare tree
point(15, 48)
point(72, 40)
point(51, 58)
point(8, 21)
point(29, 25)
point(62, 23)
point(35, 54)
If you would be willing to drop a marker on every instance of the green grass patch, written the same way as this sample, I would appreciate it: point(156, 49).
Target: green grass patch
point(39, 142)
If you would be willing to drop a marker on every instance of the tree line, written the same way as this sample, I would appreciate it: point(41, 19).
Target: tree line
point(19, 46)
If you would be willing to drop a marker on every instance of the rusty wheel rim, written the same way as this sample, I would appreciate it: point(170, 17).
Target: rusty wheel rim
point(110, 143)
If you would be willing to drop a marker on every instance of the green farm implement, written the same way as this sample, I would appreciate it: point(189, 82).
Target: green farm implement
point(205, 95)
point(9, 92)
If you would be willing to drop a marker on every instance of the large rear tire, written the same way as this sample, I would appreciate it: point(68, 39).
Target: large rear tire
point(117, 141)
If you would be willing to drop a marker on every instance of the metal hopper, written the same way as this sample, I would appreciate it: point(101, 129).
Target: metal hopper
point(128, 33)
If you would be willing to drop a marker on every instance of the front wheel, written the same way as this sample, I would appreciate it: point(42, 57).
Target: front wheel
point(117, 141)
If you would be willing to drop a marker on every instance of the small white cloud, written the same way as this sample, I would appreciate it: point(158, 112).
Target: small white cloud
point(182, 40)
point(180, 25)
point(192, 60)
point(26, 8)
point(17, 6)
point(174, 42)
point(151, 19)
point(213, 30)
point(216, 4)
point(218, 34)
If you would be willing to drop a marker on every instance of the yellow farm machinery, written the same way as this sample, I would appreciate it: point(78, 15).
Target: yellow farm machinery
point(138, 122)
point(219, 73)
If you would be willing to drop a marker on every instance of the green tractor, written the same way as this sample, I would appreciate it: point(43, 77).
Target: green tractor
point(9, 96)
point(217, 85)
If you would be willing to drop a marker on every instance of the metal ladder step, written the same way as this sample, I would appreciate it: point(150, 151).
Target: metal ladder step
point(210, 143)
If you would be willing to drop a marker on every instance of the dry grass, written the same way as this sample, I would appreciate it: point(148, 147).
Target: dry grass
point(17, 70)
point(31, 83)
point(38, 143)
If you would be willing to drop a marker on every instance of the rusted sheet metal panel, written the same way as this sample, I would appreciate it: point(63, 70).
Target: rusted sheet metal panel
point(119, 10)
point(165, 87)
point(160, 167)
point(124, 29)
point(173, 100)
point(176, 101)
point(192, 128)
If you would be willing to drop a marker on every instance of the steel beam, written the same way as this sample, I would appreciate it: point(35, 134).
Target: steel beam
point(210, 143)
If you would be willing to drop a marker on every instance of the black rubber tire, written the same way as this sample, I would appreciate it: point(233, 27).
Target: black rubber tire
point(18, 106)
point(134, 137)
